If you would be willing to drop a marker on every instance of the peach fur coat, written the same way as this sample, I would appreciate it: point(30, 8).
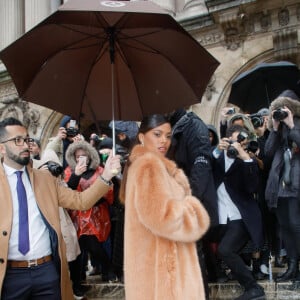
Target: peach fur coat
point(50, 194)
point(162, 223)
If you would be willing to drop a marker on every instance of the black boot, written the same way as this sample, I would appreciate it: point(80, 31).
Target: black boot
point(291, 273)
point(278, 262)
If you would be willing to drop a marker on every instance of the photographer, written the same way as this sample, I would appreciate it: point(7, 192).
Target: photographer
point(68, 133)
point(283, 185)
point(236, 181)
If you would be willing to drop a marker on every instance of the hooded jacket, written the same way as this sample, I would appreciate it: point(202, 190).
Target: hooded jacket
point(213, 130)
point(96, 220)
point(192, 152)
point(275, 147)
point(162, 223)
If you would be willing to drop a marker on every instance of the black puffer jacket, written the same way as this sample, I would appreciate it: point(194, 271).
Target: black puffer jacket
point(191, 150)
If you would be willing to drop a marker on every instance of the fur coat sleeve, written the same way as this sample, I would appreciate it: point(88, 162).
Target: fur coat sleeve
point(163, 200)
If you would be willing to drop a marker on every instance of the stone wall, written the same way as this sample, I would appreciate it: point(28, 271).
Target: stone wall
point(239, 34)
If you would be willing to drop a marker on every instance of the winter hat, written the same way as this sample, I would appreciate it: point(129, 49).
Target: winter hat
point(264, 112)
point(48, 155)
point(289, 93)
point(130, 128)
point(65, 120)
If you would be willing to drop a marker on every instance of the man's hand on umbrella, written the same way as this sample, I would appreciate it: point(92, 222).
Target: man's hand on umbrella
point(112, 167)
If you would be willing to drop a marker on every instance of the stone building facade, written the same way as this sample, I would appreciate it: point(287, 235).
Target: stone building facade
point(238, 33)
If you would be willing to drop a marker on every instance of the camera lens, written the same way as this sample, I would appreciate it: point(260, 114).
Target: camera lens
point(279, 114)
point(71, 131)
point(55, 169)
point(257, 120)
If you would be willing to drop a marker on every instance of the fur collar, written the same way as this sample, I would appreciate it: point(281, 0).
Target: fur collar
point(140, 153)
point(91, 151)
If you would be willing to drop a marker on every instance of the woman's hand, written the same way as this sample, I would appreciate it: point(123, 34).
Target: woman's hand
point(80, 168)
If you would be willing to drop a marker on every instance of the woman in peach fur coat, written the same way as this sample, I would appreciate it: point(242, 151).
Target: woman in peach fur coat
point(162, 221)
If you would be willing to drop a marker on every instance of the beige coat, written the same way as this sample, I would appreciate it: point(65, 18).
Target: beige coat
point(162, 223)
point(50, 194)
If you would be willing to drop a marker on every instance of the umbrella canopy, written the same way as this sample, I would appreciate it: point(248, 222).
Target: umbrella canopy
point(256, 88)
point(90, 52)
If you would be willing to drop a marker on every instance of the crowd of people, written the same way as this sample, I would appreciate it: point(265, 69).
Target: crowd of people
point(179, 205)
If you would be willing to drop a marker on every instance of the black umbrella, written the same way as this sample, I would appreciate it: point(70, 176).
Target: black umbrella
point(258, 87)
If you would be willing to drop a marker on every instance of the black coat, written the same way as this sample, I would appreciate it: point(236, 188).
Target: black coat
point(191, 150)
point(241, 182)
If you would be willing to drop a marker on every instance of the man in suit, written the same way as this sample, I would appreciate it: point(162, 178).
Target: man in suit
point(236, 180)
point(32, 252)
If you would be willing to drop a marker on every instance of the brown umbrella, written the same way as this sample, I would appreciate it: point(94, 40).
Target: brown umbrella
point(66, 62)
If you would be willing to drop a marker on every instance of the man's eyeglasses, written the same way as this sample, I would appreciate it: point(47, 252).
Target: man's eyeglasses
point(19, 141)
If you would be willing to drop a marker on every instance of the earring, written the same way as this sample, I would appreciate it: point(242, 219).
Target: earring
point(142, 143)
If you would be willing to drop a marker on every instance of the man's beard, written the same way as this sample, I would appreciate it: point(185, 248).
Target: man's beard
point(20, 160)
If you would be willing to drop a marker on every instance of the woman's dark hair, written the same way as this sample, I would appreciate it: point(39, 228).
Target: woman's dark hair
point(152, 121)
point(147, 124)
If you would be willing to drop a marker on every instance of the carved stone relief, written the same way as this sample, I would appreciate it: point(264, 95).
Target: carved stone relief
point(284, 17)
point(19, 109)
point(211, 89)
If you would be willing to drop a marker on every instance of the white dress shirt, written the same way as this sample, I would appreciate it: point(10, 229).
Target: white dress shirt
point(226, 208)
point(38, 232)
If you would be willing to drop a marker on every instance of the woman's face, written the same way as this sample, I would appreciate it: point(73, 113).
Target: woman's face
point(157, 139)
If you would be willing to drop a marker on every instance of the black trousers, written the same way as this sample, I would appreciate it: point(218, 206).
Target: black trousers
point(90, 244)
point(234, 237)
point(288, 215)
point(36, 283)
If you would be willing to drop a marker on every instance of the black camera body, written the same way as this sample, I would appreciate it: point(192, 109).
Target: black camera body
point(257, 120)
point(72, 131)
point(279, 114)
point(252, 146)
point(231, 151)
point(54, 168)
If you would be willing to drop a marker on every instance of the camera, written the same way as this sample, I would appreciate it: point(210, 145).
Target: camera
point(257, 120)
point(231, 151)
point(72, 131)
point(230, 111)
point(252, 146)
point(279, 114)
point(54, 168)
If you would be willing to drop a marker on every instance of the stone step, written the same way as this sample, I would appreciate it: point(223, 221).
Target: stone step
point(218, 291)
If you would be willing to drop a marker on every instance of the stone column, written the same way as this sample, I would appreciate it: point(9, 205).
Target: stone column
point(35, 12)
point(11, 21)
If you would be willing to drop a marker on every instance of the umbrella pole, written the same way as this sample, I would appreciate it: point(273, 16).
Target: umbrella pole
point(113, 108)
point(267, 93)
point(111, 34)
